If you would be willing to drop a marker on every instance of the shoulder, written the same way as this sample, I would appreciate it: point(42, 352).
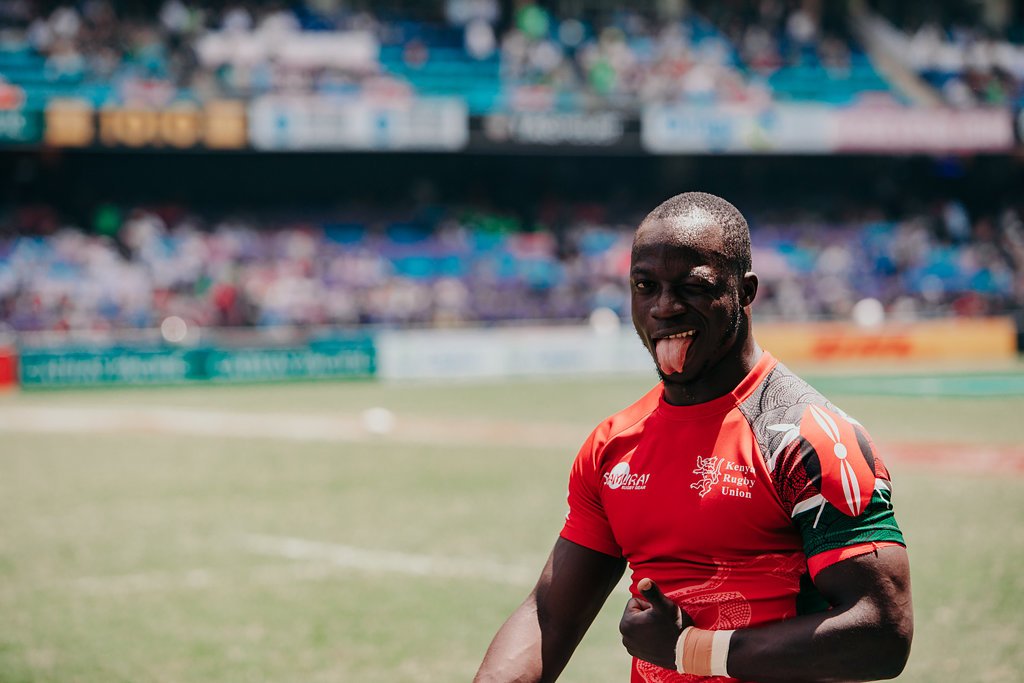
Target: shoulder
point(779, 408)
point(812, 446)
point(627, 421)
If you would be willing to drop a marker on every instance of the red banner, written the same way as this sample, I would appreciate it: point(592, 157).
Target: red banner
point(919, 129)
point(8, 368)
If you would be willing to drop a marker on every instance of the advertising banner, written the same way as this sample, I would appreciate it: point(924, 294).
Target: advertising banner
point(738, 129)
point(218, 125)
point(927, 340)
point(504, 352)
point(587, 129)
point(326, 123)
point(108, 366)
point(8, 367)
point(69, 123)
point(353, 357)
point(820, 129)
point(335, 359)
point(919, 129)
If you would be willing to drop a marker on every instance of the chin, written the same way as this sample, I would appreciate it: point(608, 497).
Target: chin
point(692, 372)
point(677, 377)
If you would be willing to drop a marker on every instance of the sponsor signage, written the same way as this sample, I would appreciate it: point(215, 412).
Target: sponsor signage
point(820, 129)
point(912, 129)
point(508, 352)
point(8, 367)
point(69, 123)
point(351, 358)
point(589, 129)
point(962, 339)
point(220, 124)
point(225, 124)
point(326, 123)
point(111, 366)
point(667, 129)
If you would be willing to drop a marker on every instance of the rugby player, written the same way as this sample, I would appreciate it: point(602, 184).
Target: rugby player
point(754, 515)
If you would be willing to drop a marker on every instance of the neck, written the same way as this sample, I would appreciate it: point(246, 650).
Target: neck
point(718, 380)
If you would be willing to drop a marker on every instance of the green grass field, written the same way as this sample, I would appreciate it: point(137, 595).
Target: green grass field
point(140, 548)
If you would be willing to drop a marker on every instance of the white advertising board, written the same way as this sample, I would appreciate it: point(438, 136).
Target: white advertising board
point(509, 352)
point(823, 129)
point(329, 123)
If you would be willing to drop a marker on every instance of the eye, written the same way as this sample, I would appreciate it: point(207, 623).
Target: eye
point(701, 287)
point(643, 285)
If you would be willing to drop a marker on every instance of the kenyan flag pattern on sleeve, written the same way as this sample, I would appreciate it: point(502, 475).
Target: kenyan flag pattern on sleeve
point(839, 490)
point(824, 466)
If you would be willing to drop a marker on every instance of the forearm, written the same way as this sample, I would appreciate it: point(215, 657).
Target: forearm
point(530, 647)
point(536, 642)
point(514, 655)
point(849, 645)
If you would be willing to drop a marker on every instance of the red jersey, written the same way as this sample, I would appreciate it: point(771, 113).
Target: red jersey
point(733, 505)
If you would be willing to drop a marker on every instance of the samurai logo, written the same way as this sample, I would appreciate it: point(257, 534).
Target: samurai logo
point(709, 470)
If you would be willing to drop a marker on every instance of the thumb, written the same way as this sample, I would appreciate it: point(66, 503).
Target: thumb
point(654, 596)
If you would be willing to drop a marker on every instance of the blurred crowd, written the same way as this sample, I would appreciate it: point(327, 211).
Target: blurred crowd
point(713, 52)
point(154, 58)
point(971, 59)
point(699, 51)
point(449, 267)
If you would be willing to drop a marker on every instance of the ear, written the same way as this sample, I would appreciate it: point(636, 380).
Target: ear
point(748, 289)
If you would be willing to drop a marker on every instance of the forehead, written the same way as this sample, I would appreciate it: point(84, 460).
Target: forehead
point(694, 238)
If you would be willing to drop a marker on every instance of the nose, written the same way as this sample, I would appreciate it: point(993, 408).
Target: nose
point(667, 305)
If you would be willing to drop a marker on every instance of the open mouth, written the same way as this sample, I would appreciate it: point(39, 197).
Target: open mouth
point(671, 351)
point(680, 335)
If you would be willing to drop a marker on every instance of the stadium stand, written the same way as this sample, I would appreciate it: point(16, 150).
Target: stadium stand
point(446, 265)
point(735, 52)
point(470, 266)
point(970, 57)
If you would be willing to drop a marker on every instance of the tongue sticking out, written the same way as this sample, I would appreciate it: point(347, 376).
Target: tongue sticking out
point(672, 354)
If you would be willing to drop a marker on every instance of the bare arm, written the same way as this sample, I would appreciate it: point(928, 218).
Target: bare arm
point(865, 636)
point(535, 643)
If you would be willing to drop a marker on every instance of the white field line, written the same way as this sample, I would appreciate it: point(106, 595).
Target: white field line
point(285, 426)
point(351, 557)
point(310, 561)
point(201, 579)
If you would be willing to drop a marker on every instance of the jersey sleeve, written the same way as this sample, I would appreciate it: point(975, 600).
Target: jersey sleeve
point(836, 488)
point(586, 523)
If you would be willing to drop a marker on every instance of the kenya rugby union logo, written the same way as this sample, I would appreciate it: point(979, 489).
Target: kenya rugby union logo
point(709, 469)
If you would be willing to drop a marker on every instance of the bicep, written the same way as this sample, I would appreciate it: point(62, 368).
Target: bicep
point(874, 587)
point(535, 643)
point(574, 585)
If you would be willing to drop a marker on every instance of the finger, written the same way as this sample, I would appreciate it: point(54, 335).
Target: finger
point(637, 605)
point(654, 595)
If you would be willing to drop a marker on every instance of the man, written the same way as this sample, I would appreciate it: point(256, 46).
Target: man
point(755, 515)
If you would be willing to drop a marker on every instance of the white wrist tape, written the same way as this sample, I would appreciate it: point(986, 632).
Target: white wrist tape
point(720, 652)
point(680, 648)
point(702, 652)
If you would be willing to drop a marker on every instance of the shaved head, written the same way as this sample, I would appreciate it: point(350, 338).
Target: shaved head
point(699, 216)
